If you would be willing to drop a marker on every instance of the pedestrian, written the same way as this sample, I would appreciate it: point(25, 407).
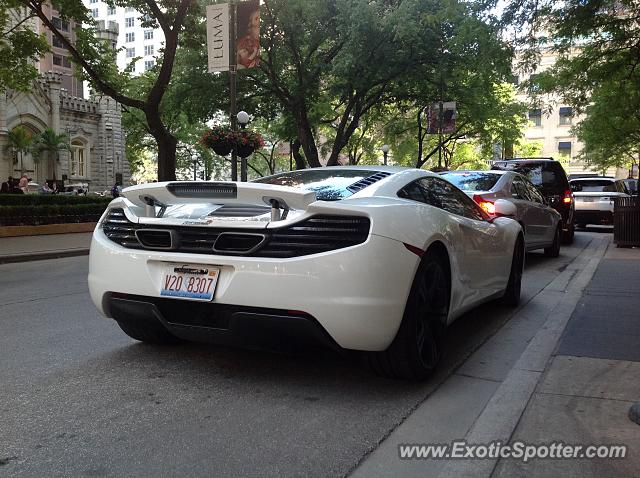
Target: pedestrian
point(24, 183)
point(6, 186)
point(115, 191)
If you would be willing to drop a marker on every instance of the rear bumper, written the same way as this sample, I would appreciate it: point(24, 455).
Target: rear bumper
point(594, 217)
point(357, 295)
point(228, 325)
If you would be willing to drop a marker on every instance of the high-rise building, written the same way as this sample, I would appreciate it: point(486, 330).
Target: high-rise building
point(134, 41)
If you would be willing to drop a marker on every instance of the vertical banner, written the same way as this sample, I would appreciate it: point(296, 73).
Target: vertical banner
point(248, 34)
point(218, 40)
point(448, 118)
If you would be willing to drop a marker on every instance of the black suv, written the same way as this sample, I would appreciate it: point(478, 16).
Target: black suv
point(550, 178)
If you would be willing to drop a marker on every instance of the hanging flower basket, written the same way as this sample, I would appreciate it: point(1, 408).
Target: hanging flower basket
point(222, 140)
point(223, 149)
point(247, 142)
point(219, 139)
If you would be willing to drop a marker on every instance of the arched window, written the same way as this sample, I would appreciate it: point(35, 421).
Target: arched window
point(78, 158)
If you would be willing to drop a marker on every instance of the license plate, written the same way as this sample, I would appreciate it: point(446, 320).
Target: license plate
point(189, 281)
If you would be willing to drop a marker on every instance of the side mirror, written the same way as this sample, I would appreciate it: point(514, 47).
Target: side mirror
point(505, 208)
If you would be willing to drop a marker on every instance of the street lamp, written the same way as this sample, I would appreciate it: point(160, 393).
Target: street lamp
point(194, 158)
point(385, 152)
point(243, 120)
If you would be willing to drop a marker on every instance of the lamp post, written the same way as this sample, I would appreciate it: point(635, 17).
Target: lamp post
point(243, 120)
point(385, 152)
point(194, 158)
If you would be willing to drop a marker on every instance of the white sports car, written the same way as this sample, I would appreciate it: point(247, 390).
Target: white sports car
point(373, 259)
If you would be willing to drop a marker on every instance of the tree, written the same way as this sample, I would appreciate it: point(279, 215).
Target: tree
point(19, 142)
point(95, 58)
point(20, 48)
point(597, 71)
point(51, 143)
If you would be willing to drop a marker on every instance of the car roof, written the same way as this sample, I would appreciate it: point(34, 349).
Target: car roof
point(499, 172)
point(524, 160)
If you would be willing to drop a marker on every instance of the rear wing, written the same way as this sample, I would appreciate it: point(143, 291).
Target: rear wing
point(189, 192)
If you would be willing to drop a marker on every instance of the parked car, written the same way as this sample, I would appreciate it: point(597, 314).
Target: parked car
point(632, 186)
point(551, 180)
point(374, 259)
point(541, 223)
point(595, 199)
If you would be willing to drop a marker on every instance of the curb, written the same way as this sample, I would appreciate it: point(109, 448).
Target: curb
point(503, 412)
point(40, 256)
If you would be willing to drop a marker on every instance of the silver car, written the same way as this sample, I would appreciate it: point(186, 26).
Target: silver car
point(541, 223)
point(595, 198)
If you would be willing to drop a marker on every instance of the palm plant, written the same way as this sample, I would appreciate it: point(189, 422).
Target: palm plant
point(52, 143)
point(19, 142)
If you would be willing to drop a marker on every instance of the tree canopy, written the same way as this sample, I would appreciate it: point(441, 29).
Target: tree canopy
point(597, 71)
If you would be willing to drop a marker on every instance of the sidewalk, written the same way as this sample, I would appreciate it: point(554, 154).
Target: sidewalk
point(33, 248)
point(566, 368)
point(592, 379)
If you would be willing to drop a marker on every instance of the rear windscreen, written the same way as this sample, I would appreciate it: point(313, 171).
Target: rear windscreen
point(541, 175)
point(593, 186)
point(473, 181)
point(328, 184)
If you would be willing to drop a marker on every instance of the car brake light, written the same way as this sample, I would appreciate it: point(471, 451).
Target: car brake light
point(567, 197)
point(487, 206)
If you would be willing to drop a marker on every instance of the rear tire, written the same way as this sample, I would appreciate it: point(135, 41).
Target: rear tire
point(148, 331)
point(554, 249)
point(511, 295)
point(567, 236)
point(417, 347)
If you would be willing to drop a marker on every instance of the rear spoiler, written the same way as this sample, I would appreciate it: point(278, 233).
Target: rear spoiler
point(188, 192)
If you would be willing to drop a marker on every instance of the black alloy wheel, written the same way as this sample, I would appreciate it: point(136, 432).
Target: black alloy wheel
point(554, 249)
point(511, 295)
point(418, 345)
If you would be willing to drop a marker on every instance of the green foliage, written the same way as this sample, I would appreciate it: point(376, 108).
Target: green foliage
point(527, 148)
point(20, 48)
point(50, 214)
point(49, 199)
point(51, 143)
point(596, 71)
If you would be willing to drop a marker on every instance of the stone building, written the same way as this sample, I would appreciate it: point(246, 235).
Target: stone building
point(94, 127)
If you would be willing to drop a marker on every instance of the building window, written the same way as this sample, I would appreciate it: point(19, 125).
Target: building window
point(56, 42)
point(78, 158)
point(564, 148)
point(94, 13)
point(129, 37)
point(129, 22)
point(93, 1)
point(146, 17)
point(61, 25)
point(131, 52)
point(535, 116)
point(148, 34)
point(111, 10)
point(566, 115)
point(148, 50)
point(60, 60)
point(148, 65)
point(128, 9)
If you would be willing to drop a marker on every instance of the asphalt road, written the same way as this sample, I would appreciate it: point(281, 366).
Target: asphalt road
point(79, 398)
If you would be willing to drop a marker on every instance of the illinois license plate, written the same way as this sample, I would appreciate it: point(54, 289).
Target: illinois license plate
point(189, 281)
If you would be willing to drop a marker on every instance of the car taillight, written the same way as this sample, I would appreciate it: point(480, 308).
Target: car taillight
point(568, 197)
point(486, 205)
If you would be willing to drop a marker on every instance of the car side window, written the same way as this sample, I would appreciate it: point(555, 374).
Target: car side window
point(534, 194)
point(519, 189)
point(413, 192)
point(444, 195)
